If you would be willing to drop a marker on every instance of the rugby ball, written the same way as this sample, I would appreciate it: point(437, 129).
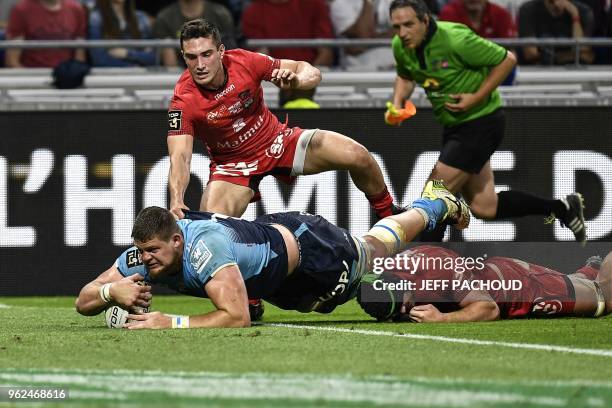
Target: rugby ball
point(116, 317)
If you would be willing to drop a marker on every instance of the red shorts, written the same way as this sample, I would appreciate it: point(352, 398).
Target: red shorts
point(283, 159)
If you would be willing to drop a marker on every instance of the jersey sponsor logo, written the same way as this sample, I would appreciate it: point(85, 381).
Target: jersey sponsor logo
point(340, 287)
point(543, 306)
point(200, 255)
point(217, 114)
point(430, 84)
point(439, 64)
point(245, 97)
point(277, 148)
point(133, 258)
point(239, 169)
point(174, 119)
point(230, 144)
point(224, 92)
point(238, 125)
point(235, 108)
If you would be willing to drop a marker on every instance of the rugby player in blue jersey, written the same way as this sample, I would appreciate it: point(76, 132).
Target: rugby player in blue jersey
point(296, 261)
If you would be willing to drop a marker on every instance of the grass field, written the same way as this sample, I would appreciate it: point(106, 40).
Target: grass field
point(308, 360)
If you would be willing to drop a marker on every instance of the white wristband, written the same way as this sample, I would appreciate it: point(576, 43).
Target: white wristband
point(180, 322)
point(105, 292)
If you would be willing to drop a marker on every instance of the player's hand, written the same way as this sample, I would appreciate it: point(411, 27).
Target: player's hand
point(395, 117)
point(426, 314)
point(129, 293)
point(569, 8)
point(153, 320)
point(464, 102)
point(284, 78)
point(177, 211)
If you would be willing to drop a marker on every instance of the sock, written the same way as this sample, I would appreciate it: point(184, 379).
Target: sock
point(382, 203)
point(519, 203)
point(435, 210)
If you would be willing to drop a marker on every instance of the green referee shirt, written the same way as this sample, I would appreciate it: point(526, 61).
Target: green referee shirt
point(452, 59)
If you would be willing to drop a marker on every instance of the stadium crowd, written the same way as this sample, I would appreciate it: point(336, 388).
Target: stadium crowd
point(239, 20)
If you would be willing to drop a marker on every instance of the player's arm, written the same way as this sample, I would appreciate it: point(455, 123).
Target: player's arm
point(477, 306)
point(402, 90)
point(180, 148)
point(227, 292)
point(123, 291)
point(497, 75)
point(295, 75)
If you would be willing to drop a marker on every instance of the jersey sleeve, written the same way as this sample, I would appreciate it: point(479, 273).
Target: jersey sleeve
point(129, 263)
point(263, 65)
point(476, 51)
point(180, 116)
point(211, 250)
point(398, 53)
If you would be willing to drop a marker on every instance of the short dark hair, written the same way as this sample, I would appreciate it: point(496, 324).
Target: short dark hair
point(154, 222)
point(200, 28)
point(420, 8)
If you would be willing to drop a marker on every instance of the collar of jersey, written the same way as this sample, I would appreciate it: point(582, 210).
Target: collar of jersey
point(431, 30)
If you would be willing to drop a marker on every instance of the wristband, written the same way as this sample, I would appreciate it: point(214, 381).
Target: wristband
point(180, 322)
point(104, 292)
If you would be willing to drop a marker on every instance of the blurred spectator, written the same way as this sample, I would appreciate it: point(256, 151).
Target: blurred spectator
point(170, 19)
point(45, 20)
point(5, 10)
point(602, 27)
point(152, 7)
point(486, 19)
point(298, 99)
point(118, 19)
point(555, 18)
point(277, 19)
point(236, 7)
point(363, 19)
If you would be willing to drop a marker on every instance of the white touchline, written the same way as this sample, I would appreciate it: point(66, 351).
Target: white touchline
point(529, 346)
point(3, 306)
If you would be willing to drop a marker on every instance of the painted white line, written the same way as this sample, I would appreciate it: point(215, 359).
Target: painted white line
point(266, 386)
point(528, 346)
point(3, 306)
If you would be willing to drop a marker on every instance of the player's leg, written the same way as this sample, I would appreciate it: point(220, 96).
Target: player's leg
point(329, 150)
point(226, 198)
point(438, 206)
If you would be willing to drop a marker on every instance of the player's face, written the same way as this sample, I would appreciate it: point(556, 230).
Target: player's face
point(161, 257)
point(408, 27)
point(475, 5)
point(204, 61)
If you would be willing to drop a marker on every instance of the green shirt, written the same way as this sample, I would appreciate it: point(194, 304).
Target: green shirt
point(451, 60)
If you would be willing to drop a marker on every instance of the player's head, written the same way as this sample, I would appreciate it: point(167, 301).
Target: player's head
point(159, 240)
point(203, 52)
point(410, 19)
point(475, 6)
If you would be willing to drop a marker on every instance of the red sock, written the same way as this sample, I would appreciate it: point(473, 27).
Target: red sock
point(588, 271)
point(382, 203)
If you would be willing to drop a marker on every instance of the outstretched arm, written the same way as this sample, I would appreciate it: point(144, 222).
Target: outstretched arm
point(477, 306)
point(227, 292)
point(180, 148)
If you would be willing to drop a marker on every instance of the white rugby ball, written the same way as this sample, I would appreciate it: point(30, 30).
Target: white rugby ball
point(116, 317)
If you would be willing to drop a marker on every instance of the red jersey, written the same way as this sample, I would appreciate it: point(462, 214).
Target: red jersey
point(542, 291)
point(233, 122)
point(497, 22)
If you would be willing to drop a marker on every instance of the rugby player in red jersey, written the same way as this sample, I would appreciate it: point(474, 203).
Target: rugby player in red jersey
point(219, 100)
point(489, 289)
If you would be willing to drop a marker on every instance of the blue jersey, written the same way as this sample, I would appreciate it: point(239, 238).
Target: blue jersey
point(213, 243)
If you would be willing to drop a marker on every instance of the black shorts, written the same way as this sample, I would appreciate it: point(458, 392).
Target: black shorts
point(469, 145)
point(325, 276)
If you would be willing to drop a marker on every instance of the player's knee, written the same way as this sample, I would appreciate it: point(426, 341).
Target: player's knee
point(483, 211)
point(359, 157)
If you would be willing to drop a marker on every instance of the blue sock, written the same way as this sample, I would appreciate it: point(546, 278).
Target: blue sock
point(435, 210)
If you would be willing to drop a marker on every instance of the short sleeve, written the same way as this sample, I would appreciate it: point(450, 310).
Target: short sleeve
point(130, 263)
point(211, 250)
point(263, 65)
point(398, 53)
point(476, 51)
point(180, 117)
point(16, 24)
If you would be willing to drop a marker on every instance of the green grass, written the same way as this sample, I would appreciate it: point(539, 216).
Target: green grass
point(44, 342)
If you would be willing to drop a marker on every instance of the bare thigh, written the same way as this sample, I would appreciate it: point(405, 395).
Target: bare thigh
point(226, 198)
point(586, 297)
